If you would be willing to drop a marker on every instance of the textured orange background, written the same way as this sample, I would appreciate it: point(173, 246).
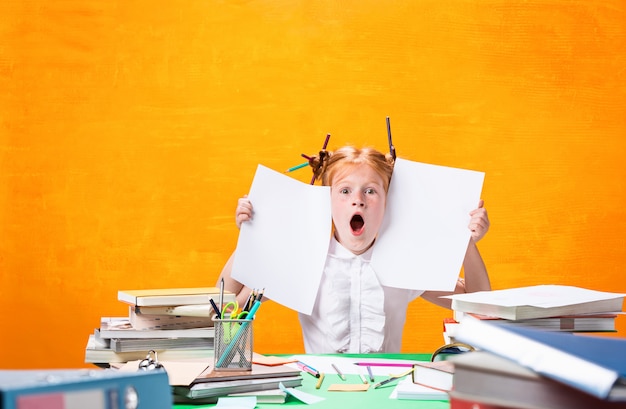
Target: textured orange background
point(129, 129)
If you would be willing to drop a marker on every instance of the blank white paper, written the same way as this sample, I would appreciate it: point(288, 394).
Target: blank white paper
point(424, 236)
point(283, 248)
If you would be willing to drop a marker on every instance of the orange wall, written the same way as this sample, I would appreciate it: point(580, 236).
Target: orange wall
point(129, 129)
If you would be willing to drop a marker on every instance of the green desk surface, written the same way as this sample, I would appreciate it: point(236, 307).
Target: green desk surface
point(372, 398)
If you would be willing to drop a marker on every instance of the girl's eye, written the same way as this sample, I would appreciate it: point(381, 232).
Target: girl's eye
point(344, 191)
point(370, 191)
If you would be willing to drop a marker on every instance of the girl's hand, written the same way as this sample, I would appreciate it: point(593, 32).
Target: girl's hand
point(479, 222)
point(243, 212)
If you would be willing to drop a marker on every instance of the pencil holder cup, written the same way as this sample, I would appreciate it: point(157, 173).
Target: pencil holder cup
point(233, 344)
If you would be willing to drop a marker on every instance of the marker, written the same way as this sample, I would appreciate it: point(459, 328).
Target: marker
point(300, 166)
point(218, 314)
point(319, 382)
point(342, 376)
point(306, 368)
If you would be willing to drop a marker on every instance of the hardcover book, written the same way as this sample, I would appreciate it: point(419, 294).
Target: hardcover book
point(169, 296)
point(101, 355)
point(120, 327)
point(488, 380)
point(221, 383)
point(593, 364)
point(539, 301)
point(436, 375)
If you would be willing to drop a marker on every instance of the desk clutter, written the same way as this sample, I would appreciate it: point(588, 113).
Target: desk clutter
point(77, 389)
point(175, 322)
point(547, 307)
point(198, 337)
point(503, 354)
point(533, 349)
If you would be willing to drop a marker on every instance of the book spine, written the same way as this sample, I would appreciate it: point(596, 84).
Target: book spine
point(198, 310)
point(138, 320)
point(172, 300)
point(472, 403)
point(160, 333)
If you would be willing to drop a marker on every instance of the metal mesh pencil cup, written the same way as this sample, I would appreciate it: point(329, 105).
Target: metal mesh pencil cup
point(233, 344)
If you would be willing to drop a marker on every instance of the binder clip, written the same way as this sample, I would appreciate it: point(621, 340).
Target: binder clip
point(150, 363)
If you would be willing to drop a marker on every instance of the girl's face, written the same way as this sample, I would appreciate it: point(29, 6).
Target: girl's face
point(358, 199)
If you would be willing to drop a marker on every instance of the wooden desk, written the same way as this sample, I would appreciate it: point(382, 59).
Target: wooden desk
point(372, 398)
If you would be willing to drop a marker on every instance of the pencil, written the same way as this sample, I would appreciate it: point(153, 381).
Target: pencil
point(369, 371)
point(342, 376)
point(323, 149)
point(221, 304)
point(326, 141)
point(392, 149)
point(300, 166)
point(362, 377)
point(319, 381)
point(393, 378)
point(399, 364)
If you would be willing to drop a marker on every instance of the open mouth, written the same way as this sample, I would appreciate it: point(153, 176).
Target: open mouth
point(356, 224)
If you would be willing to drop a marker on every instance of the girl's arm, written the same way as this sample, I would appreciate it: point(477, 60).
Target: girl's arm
point(476, 278)
point(242, 213)
point(230, 284)
point(475, 272)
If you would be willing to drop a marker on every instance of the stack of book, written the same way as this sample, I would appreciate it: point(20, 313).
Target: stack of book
point(262, 381)
point(526, 368)
point(176, 323)
point(428, 381)
point(547, 307)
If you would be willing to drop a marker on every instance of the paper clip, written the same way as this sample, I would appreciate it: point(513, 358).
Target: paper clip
point(150, 363)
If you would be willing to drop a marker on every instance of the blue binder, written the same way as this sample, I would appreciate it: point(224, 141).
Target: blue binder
point(79, 389)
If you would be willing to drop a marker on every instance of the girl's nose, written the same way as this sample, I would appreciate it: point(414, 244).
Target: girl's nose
point(358, 201)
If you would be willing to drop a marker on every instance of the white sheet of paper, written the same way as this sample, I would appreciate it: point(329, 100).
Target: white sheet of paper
point(302, 396)
point(414, 391)
point(424, 236)
point(545, 296)
point(179, 373)
point(347, 365)
point(238, 402)
point(284, 247)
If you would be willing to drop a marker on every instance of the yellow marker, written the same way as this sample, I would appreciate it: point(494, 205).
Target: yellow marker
point(320, 380)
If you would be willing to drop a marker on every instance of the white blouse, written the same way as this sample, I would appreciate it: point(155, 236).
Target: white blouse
point(353, 312)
